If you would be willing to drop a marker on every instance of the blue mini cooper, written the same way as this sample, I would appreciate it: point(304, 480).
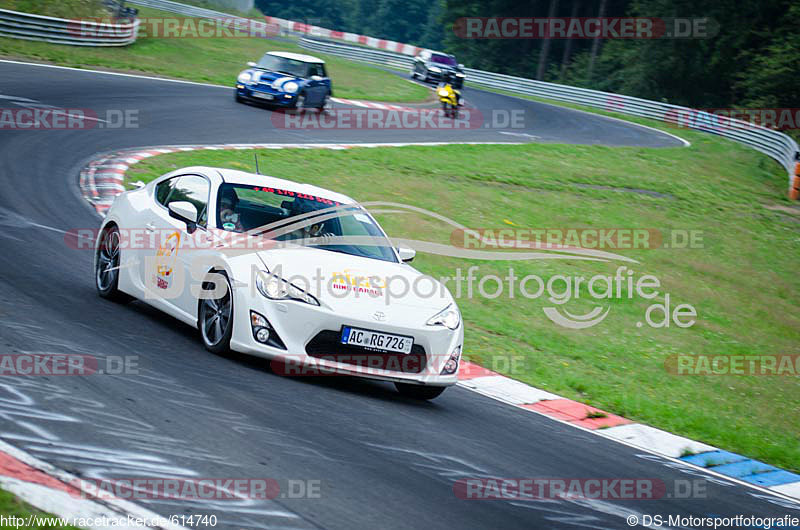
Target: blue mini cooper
point(283, 79)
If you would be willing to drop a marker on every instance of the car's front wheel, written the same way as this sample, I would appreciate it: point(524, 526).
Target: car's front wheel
point(300, 103)
point(215, 317)
point(107, 262)
point(419, 391)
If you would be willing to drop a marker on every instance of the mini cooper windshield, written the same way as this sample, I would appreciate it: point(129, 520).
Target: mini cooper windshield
point(290, 216)
point(282, 65)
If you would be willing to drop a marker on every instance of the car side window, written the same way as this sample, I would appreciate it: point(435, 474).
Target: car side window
point(316, 69)
point(193, 189)
point(163, 190)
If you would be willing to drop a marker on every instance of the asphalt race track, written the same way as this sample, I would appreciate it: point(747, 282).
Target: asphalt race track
point(382, 461)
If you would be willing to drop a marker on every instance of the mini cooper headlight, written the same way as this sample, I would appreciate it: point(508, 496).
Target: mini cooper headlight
point(448, 317)
point(244, 77)
point(290, 87)
point(443, 92)
point(275, 288)
point(435, 69)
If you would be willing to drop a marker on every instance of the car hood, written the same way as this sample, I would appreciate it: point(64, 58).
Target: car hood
point(445, 67)
point(340, 280)
point(267, 77)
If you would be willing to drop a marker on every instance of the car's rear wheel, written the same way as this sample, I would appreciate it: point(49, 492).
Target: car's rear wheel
point(215, 318)
point(106, 272)
point(419, 391)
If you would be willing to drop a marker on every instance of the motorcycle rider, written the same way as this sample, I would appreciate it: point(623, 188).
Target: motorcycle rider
point(447, 92)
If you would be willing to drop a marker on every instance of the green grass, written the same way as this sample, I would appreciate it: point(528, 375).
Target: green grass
point(59, 8)
point(10, 505)
point(217, 61)
point(742, 282)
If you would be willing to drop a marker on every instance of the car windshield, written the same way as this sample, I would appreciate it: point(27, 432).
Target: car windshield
point(273, 63)
point(443, 59)
point(296, 216)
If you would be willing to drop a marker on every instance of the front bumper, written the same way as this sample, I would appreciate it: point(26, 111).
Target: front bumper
point(309, 334)
point(265, 95)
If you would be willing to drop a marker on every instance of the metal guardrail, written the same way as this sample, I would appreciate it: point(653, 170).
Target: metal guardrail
point(772, 143)
point(183, 9)
point(64, 31)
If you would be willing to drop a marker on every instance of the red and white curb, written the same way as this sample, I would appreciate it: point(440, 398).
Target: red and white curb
point(377, 105)
point(102, 180)
point(611, 426)
point(64, 495)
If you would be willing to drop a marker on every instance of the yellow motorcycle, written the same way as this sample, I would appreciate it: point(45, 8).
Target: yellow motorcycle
point(450, 98)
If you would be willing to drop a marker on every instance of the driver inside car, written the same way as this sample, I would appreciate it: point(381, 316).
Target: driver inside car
point(229, 218)
point(314, 230)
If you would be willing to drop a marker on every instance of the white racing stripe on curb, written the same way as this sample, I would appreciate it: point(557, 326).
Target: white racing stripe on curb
point(507, 390)
point(62, 504)
point(663, 442)
point(59, 503)
point(792, 489)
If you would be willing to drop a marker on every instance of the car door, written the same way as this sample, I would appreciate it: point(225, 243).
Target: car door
point(316, 86)
point(168, 271)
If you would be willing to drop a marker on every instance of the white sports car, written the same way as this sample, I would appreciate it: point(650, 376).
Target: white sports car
point(284, 271)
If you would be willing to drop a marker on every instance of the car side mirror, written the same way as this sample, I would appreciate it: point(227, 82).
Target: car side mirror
point(251, 64)
point(316, 78)
point(461, 66)
point(406, 254)
point(184, 211)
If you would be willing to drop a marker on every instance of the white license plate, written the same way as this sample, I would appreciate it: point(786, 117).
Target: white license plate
point(376, 340)
point(263, 95)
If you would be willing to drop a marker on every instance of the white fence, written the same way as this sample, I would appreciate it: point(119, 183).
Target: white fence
point(64, 31)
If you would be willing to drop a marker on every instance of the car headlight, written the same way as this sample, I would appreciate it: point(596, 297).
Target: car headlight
point(459, 74)
point(244, 77)
point(448, 317)
point(276, 288)
point(435, 69)
point(443, 93)
point(290, 87)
